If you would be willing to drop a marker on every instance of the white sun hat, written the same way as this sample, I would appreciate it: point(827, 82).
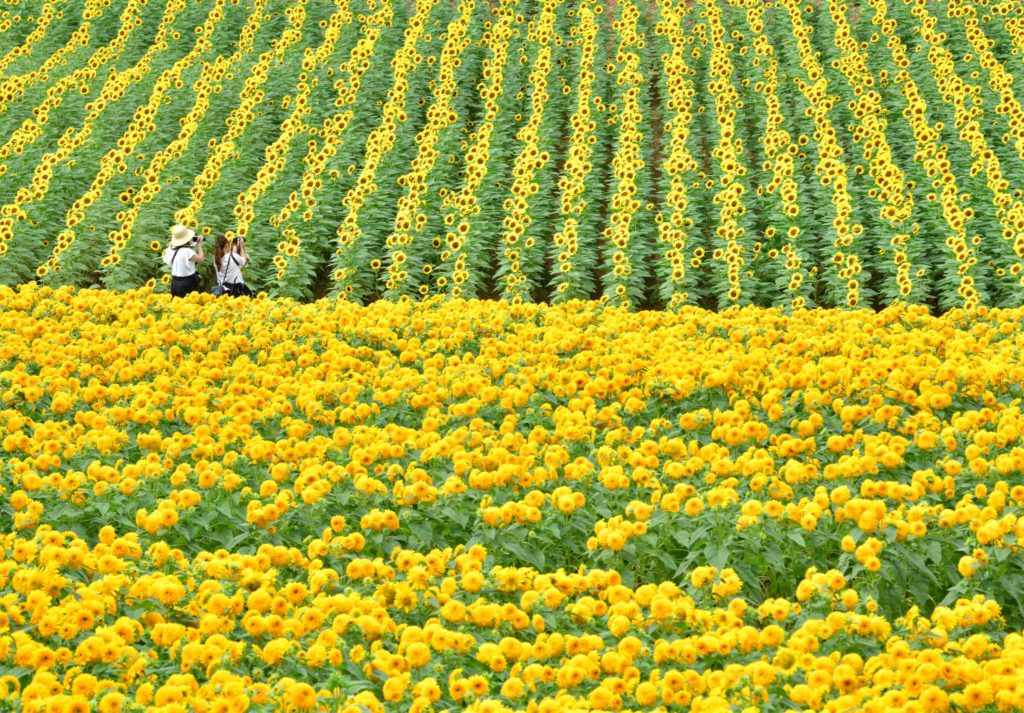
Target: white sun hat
point(180, 235)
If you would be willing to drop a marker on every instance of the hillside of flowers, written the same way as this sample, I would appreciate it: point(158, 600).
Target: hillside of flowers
point(469, 505)
point(715, 153)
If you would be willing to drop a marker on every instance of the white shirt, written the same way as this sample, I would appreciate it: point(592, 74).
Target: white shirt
point(231, 265)
point(180, 260)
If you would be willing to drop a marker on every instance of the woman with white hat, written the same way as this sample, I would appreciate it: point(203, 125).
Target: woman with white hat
point(182, 255)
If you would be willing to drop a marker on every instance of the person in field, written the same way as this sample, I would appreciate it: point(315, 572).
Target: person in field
point(183, 254)
point(229, 257)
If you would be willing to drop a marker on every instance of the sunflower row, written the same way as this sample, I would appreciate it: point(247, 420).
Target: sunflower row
point(623, 270)
point(518, 260)
point(675, 225)
point(318, 158)
point(731, 246)
point(1013, 24)
point(831, 170)
point(350, 255)
point(780, 151)
point(410, 220)
point(576, 185)
point(463, 262)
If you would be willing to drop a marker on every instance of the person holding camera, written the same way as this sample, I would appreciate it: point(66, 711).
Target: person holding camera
point(229, 257)
point(183, 254)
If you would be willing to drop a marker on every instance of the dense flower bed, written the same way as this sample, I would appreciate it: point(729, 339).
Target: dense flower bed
point(214, 505)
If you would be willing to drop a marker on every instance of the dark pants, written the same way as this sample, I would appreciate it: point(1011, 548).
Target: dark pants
point(181, 286)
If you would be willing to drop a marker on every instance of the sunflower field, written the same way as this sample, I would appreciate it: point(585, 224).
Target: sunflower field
point(671, 356)
point(791, 153)
point(475, 505)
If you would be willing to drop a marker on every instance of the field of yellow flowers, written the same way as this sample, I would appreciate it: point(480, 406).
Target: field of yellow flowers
point(494, 507)
point(659, 153)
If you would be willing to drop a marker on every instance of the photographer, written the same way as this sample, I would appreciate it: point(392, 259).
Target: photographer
point(229, 257)
point(184, 252)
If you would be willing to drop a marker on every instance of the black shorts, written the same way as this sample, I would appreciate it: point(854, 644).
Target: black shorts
point(238, 289)
point(181, 286)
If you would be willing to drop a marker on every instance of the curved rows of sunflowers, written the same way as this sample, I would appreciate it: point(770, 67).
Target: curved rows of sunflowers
point(656, 154)
point(506, 507)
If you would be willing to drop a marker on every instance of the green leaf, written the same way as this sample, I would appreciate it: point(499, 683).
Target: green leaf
point(24, 675)
point(721, 555)
point(776, 560)
point(225, 509)
point(933, 548)
point(422, 530)
point(665, 559)
point(529, 555)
